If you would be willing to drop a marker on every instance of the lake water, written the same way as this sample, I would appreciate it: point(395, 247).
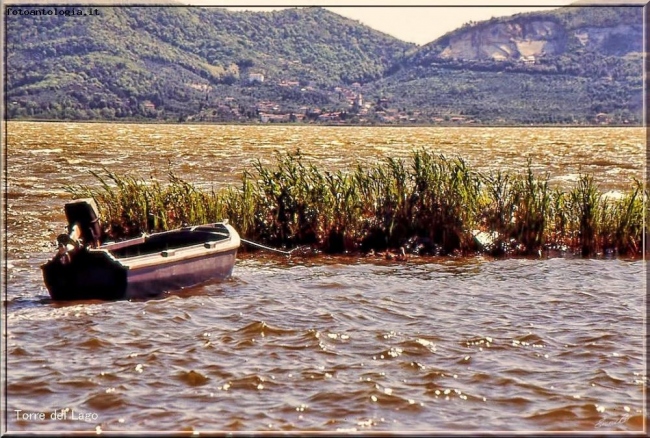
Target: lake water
point(323, 343)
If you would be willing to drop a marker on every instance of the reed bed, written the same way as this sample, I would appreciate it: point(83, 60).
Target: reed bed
point(428, 204)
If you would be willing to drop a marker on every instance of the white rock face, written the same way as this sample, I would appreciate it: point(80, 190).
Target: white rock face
point(595, 37)
point(503, 41)
point(526, 41)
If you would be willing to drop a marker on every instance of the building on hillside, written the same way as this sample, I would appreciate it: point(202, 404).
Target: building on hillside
point(255, 77)
point(285, 83)
point(528, 59)
point(329, 116)
point(274, 118)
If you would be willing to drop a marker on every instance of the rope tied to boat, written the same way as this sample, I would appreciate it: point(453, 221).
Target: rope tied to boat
point(259, 245)
point(268, 248)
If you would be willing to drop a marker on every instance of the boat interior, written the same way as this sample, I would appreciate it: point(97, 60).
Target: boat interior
point(82, 213)
point(169, 240)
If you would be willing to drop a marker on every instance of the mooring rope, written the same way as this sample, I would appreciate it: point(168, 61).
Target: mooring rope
point(258, 245)
point(267, 248)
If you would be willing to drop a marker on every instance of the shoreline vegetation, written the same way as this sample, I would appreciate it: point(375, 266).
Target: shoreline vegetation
point(425, 205)
point(447, 124)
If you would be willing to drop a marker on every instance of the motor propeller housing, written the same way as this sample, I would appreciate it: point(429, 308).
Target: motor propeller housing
point(83, 214)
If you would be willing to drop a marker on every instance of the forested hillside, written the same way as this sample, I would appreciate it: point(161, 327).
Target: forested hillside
point(571, 65)
point(110, 64)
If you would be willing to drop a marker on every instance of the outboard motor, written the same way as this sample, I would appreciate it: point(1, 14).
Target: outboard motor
point(83, 213)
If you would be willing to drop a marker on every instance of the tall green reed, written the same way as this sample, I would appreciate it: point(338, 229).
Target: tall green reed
point(429, 203)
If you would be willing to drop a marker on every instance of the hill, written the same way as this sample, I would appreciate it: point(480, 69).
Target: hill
point(578, 65)
point(569, 65)
point(126, 61)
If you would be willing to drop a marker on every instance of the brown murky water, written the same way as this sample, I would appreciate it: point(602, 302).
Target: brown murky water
point(331, 344)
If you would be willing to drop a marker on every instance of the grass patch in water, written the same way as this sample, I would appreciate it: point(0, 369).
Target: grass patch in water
point(428, 204)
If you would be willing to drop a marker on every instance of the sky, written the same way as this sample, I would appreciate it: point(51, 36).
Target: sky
point(418, 23)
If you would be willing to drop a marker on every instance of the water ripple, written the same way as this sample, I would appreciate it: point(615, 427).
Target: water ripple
point(335, 344)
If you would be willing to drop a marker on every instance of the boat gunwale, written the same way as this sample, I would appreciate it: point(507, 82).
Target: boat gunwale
point(112, 246)
point(172, 256)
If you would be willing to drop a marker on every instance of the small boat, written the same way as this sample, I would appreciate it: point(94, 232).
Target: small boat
point(139, 268)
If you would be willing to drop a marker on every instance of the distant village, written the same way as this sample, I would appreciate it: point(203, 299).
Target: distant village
point(348, 107)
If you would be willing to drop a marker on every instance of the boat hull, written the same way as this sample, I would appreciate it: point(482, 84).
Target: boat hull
point(145, 267)
point(151, 281)
point(91, 275)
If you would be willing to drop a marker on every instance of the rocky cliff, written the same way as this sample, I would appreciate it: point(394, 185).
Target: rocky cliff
point(507, 41)
point(528, 37)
